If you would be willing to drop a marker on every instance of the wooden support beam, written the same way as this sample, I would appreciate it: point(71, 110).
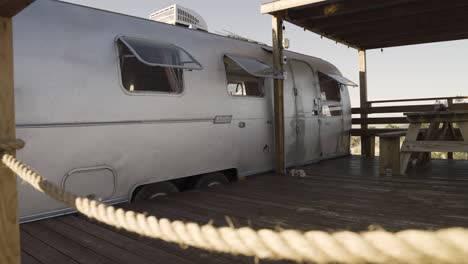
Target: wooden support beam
point(357, 132)
point(367, 143)
point(397, 109)
point(380, 120)
point(277, 24)
point(9, 227)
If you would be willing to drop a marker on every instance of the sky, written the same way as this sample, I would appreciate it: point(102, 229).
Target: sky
point(429, 70)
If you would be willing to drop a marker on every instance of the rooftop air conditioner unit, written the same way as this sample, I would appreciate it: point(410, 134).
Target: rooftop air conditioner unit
point(181, 16)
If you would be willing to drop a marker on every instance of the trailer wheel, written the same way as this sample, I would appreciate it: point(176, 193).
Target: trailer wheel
point(153, 191)
point(211, 180)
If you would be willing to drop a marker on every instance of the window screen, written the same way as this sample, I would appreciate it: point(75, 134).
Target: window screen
point(241, 82)
point(152, 67)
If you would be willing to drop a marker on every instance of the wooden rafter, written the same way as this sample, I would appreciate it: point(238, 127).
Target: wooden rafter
point(9, 8)
point(369, 24)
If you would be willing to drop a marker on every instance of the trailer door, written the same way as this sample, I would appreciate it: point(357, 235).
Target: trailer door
point(331, 113)
point(307, 133)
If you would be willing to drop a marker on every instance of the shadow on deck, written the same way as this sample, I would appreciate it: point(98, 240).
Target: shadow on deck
point(345, 193)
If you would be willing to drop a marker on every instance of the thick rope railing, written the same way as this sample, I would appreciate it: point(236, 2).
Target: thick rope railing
point(409, 246)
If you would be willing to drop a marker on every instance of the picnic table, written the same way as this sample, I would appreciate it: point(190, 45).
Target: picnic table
point(440, 136)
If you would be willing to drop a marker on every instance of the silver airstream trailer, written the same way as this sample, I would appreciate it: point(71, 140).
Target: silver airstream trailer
point(119, 108)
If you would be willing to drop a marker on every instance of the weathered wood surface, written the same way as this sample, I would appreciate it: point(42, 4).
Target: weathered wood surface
point(432, 117)
point(389, 155)
point(464, 130)
point(367, 142)
point(9, 230)
point(393, 134)
point(9, 8)
point(379, 120)
point(345, 193)
point(372, 24)
point(411, 135)
point(419, 99)
point(278, 94)
point(406, 108)
point(434, 146)
point(436, 139)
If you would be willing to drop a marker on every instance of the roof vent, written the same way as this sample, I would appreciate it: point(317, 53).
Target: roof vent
point(181, 16)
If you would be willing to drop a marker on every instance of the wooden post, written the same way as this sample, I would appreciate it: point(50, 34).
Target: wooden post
point(277, 24)
point(450, 108)
point(9, 227)
point(367, 142)
point(389, 155)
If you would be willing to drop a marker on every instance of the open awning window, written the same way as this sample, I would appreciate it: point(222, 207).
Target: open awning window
point(341, 79)
point(252, 66)
point(161, 54)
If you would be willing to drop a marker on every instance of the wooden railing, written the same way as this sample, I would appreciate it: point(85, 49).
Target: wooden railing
point(395, 114)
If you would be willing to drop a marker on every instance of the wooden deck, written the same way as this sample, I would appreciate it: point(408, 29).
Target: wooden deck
point(345, 193)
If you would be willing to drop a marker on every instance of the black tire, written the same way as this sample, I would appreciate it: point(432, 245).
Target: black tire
point(153, 191)
point(211, 180)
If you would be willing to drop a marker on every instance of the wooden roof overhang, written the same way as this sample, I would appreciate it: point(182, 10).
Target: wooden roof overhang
point(9, 8)
point(372, 24)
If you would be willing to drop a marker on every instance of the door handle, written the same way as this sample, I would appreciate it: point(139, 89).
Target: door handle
point(241, 124)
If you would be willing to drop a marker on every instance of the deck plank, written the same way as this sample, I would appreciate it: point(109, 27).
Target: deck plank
point(117, 239)
point(345, 193)
point(33, 248)
point(66, 246)
point(28, 259)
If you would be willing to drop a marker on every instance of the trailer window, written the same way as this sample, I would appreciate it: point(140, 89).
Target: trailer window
point(153, 67)
point(246, 88)
point(241, 82)
point(330, 93)
point(329, 88)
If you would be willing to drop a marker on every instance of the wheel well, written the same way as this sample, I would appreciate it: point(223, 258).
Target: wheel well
point(187, 183)
point(231, 174)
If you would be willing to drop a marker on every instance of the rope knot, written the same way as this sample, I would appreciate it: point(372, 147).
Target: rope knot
point(11, 145)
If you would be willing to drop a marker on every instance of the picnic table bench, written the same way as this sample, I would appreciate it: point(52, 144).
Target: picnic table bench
point(437, 138)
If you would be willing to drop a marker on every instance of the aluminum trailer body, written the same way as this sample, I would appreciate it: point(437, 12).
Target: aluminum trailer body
point(89, 134)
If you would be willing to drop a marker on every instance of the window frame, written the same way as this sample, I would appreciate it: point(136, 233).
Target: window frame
point(147, 93)
point(252, 97)
point(247, 96)
point(233, 57)
point(135, 53)
point(343, 81)
point(339, 88)
point(330, 103)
